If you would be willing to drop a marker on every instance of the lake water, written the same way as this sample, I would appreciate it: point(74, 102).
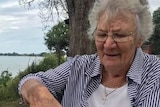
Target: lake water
point(16, 64)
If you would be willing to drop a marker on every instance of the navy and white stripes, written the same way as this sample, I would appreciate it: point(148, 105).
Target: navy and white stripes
point(73, 82)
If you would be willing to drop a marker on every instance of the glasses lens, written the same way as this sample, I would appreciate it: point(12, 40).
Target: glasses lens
point(100, 36)
point(117, 37)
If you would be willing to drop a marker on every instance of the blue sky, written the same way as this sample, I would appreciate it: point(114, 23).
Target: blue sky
point(21, 29)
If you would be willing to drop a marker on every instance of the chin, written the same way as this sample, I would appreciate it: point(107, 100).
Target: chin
point(110, 60)
point(110, 64)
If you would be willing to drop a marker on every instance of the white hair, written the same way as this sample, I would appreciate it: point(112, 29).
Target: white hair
point(139, 7)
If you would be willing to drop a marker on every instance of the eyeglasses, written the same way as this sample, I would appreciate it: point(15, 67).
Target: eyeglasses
point(102, 36)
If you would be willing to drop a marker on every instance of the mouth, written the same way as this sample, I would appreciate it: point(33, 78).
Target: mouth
point(112, 55)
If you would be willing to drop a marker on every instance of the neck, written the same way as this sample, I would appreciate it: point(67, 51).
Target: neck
point(113, 81)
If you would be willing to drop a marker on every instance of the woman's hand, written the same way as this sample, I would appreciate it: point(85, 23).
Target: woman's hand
point(37, 95)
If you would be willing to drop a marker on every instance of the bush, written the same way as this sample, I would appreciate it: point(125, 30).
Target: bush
point(8, 85)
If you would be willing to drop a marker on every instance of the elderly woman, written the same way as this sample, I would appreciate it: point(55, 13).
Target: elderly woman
point(118, 75)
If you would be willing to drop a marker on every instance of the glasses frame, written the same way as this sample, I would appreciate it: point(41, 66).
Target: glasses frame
point(122, 39)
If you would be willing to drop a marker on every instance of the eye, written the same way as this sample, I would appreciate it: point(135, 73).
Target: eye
point(101, 34)
point(118, 35)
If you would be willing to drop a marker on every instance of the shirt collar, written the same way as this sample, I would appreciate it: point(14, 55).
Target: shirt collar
point(95, 68)
point(136, 70)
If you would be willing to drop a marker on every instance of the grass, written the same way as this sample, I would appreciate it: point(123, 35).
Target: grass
point(12, 104)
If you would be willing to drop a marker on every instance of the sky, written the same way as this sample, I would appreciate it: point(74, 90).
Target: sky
point(21, 30)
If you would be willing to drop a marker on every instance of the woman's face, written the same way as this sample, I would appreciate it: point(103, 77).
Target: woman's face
point(117, 56)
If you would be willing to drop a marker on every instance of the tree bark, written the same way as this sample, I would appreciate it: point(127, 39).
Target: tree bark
point(78, 25)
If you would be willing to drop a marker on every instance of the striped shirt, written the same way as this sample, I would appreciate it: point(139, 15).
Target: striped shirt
point(73, 82)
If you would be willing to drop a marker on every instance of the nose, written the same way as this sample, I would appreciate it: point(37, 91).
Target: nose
point(109, 43)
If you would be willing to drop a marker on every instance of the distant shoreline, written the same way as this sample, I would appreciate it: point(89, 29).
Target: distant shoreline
point(17, 54)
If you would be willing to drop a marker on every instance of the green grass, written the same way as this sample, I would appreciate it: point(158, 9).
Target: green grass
point(12, 104)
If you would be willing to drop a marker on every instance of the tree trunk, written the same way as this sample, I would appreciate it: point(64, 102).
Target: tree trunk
point(78, 25)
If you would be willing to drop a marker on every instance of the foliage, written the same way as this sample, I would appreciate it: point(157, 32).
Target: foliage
point(5, 80)
point(77, 12)
point(8, 85)
point(155, 39)
point(49, 9)
point(156, 16)
point(50, 61)
point(57, 39)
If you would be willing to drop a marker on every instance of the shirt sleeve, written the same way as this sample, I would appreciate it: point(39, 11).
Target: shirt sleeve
point(54, 79)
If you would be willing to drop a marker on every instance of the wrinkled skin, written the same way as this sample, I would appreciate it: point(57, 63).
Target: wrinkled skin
point(37, 95)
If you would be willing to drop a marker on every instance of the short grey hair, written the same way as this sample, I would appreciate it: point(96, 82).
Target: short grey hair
point(139, 7)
